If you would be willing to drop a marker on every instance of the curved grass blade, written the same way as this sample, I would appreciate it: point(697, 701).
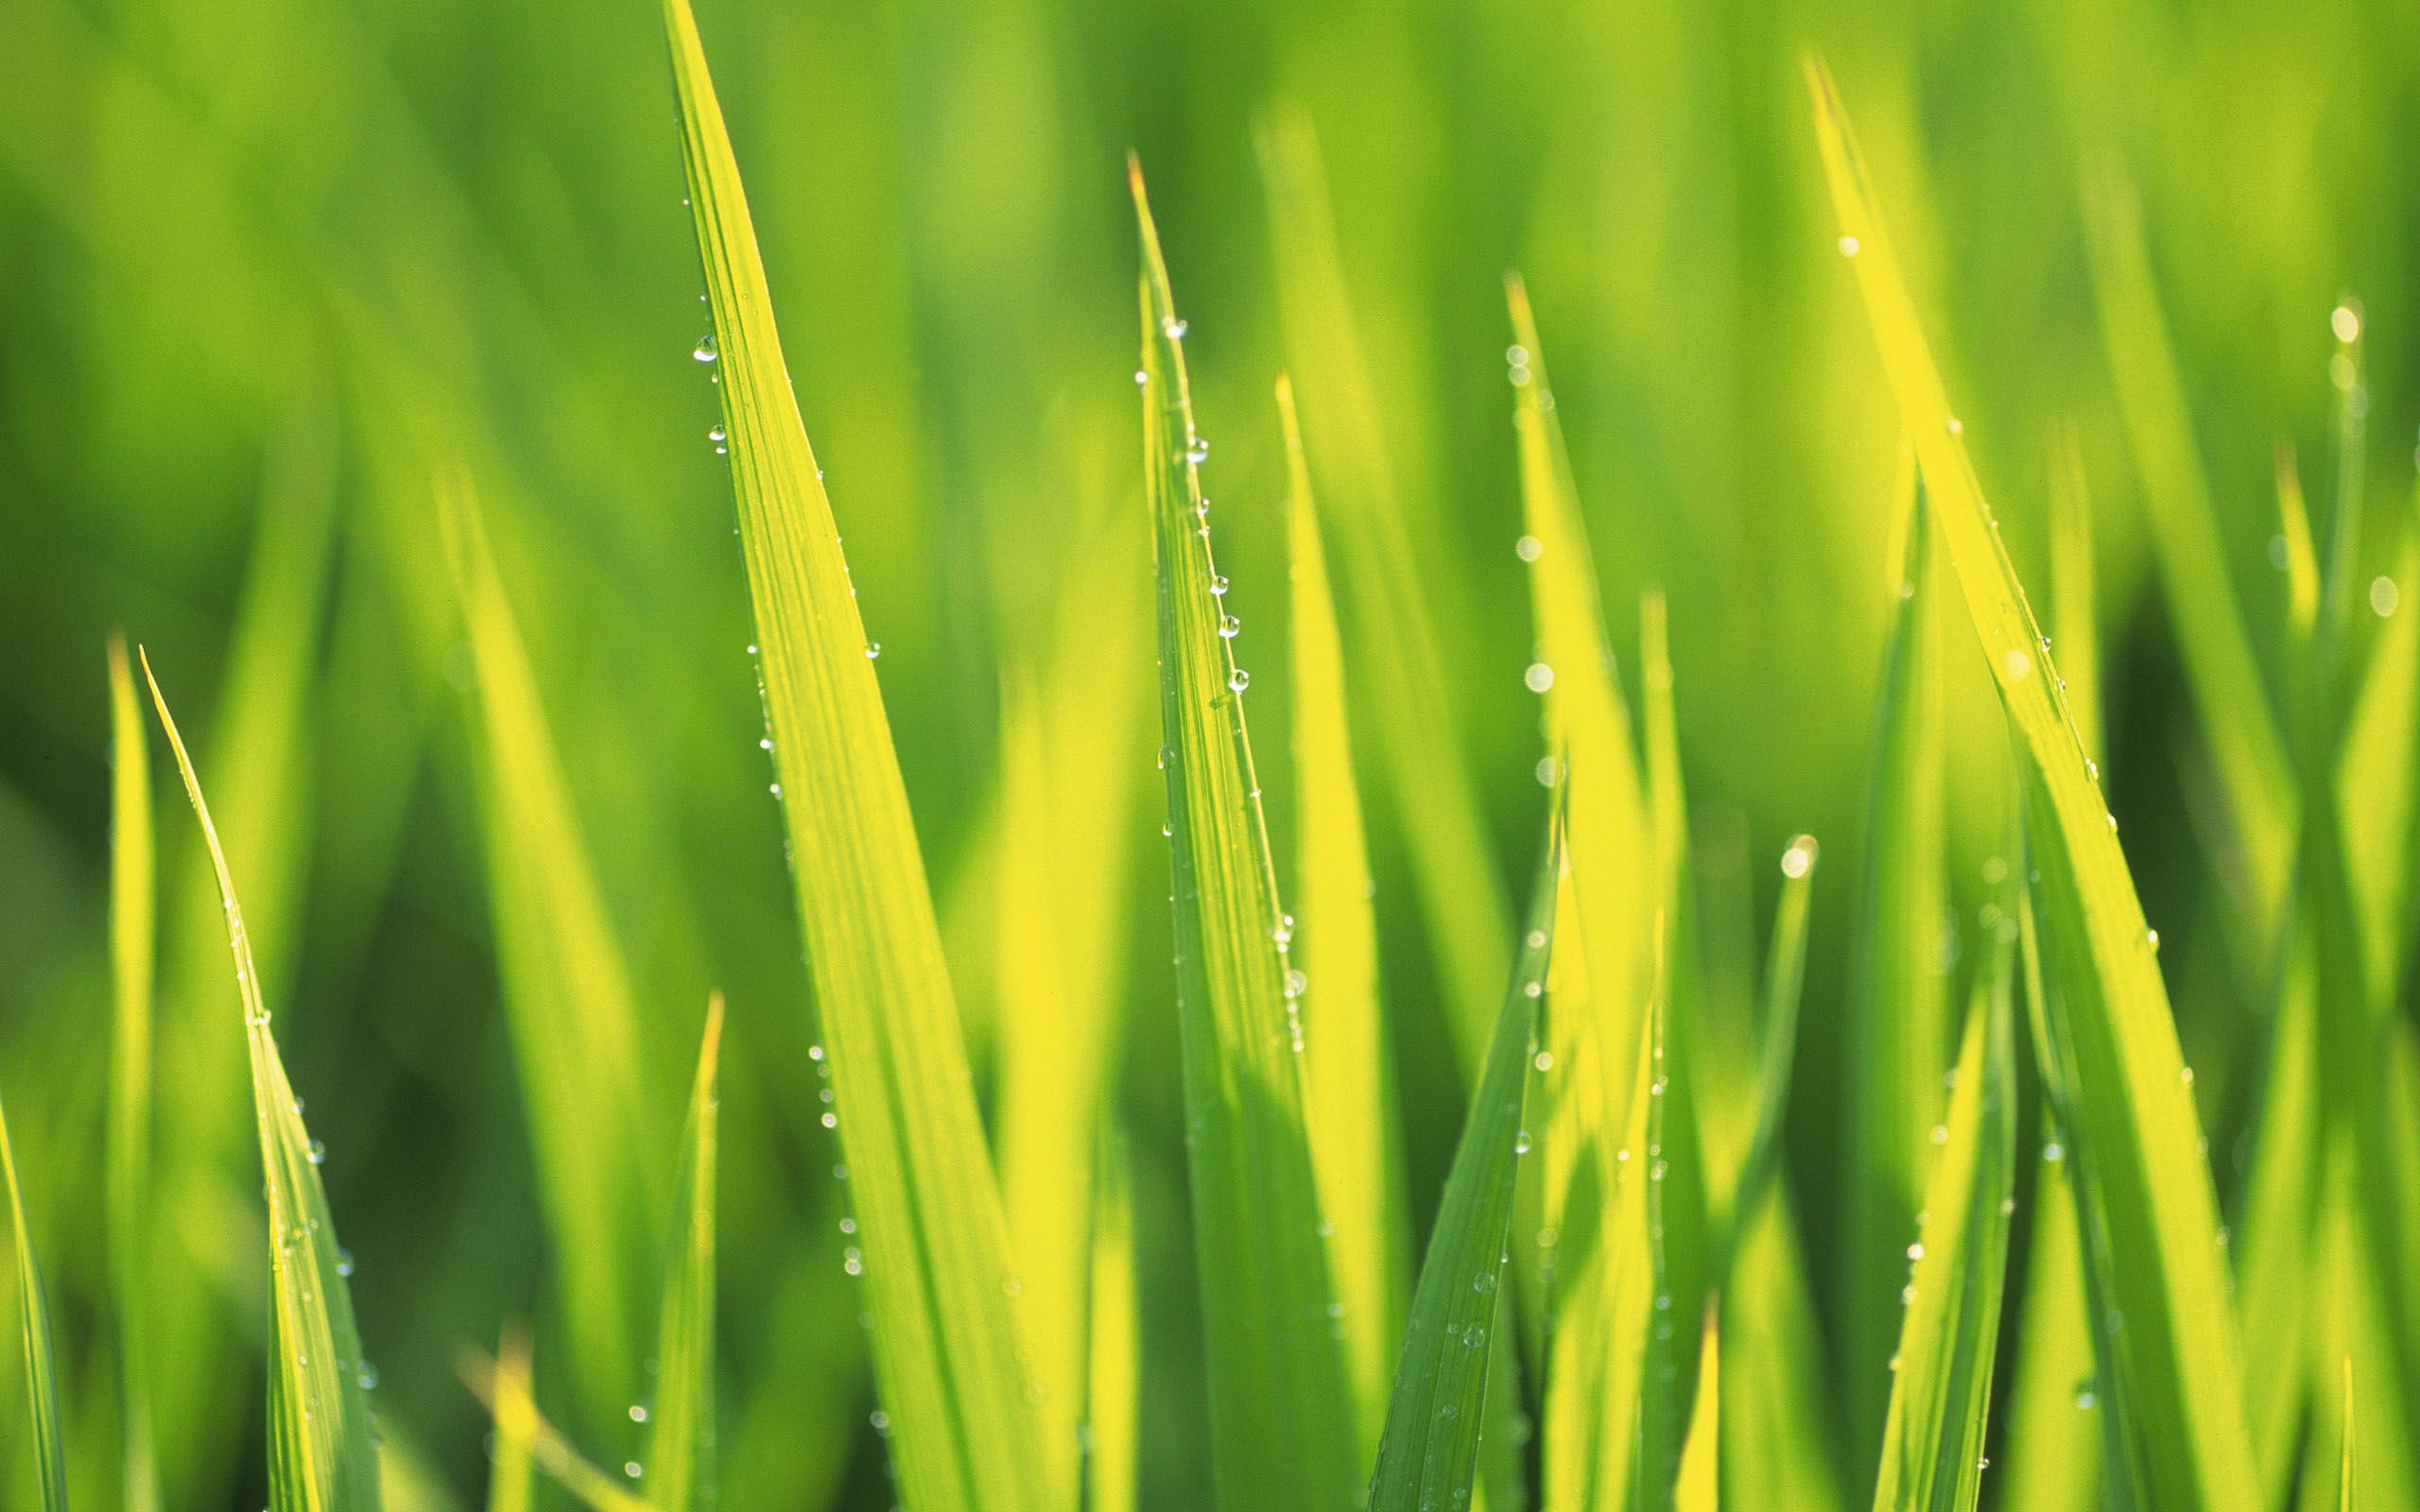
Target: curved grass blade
point(570, 1007)
point(133, 946)
point(1348, 1057)
point(1785, 977)
point(33, 1332)
point(679, 1473)
point(321, 1457)
point(1112, 1375)
point(1281, 1406)
point(504, 1387)
point(2074, 619)
point(1933, 1444)
point(1397, 649)
point(934, 1239)
point(1429, 1453)
point(1698, 1485)
point(2375, 805)
point(1898, 998)
point(2053, 1437)
point(2120, 1078)
point(511, 1467)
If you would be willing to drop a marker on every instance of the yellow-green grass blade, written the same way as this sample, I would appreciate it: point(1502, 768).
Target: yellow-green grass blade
point(1897, 1032)
point(1281, 1430)
point(1398, 654)
point(2119, 1076)
point(133, 946)
point(1429, 1453)
point(1784, 978)
point(512, 1467)
point(2238, 721)
point(507, 1389)
point(569, 1004)
point(679, 1473)
point(2375, 805)
point(1347, 1050)
point(2281, 1223)
point(1933, 1444)
point(1698, 1485)
point(34, 1341)
point(2053, 1437)
point(2074, 619)
point(1113, 1369)
point(2344, 1498)
point(321, 1457)
point(935, 1248)
point(2302, 558)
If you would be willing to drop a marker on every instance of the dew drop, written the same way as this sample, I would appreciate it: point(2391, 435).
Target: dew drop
point(705, 350)
point(1528, 548)
point(1848, 247)
point(638, 1413)
point(1539, 678)
point(1230, 627)
point(1239, 680)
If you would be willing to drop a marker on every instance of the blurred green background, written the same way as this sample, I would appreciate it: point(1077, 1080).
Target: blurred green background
point(265, 267)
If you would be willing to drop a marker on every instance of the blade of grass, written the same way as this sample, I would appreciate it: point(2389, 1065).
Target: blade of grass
point(2073, 613)
point(2375, 805)
point(1932, 1444)
point(504, 1387)
point(1348, 1054)
point(1281, 1405)
point(1429, 1453)
point(679, 1474)
point(511, 1467)
point(570, 1006)
point(133, 946)
point(2053, 1443)
point(34, 1338)
point(2120, 1078)
point(1112, 1375)
point(1699, 1486)
point(2345, 1498)
point(322, 1456)
point(934, 1239)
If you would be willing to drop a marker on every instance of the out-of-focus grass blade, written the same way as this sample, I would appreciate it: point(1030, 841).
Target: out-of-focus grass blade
point(1897, 1039)
point(2374, 792)
point(680, 1470)
point(1397, 653)
point(321, 1457)
point(1429, 1453)
point(1784, 978)
point(2053, 1438)
point(1348, 1059)
point(2344, 1500)
point(2302, 559)
point(574, 1020)
point(1113, 1372)
point(2237, 718)
point(510, 1467)
point(33, 1337)
point(1933, 1444)
point(505, 1386)
point(1281, 1406)
point(2118, 1074)
point(928, 1211)
point(2074, 620)
point(2280, 1217)
point(1699, 1487)
point(133, 944)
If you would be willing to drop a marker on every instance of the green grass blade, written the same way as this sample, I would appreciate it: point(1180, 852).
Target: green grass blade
point(2246, 747)
point(322, 1458)
point(1280, 1408)
point(507, 1389)
point(1784, 976)
point(1348, 1057)
point(1398, 653)
point(133, 946)
point(512, 1466)
point(1114, 1370)
point(33, 1333)
point(1932, 1444)
point(680, 1468)
point(2074, 618)
point(568, 993)
point(2345, 1498)
point(2376, 809)
point(1898, 1036)
point(1429, 1453)
point(934, 1239)
point(1698, 1487)
point(2123, 1090)
point(2053, 1437)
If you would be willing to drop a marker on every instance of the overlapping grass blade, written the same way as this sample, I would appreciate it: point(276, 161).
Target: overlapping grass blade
point(1114, 1367)
point(568, 991)
point(1698, 1485)
point(1398, 654)
point(1429, 1453)
point(1347, 1050)
point(321, 1457)
point(2237, 719)
point(2116, 1069)
point(1897, 1037)
point(34, 1340)
point(133, 945)
point(510, 1465)
point(679, 1471)
point(1932, 1443)
point(2074, 618)
point(1281, 1406)
point(934, 1241)
point(2376, 809)
point(507, 1389)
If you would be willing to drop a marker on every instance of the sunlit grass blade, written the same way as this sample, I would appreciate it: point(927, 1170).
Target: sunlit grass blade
point(934, 1241)
point(2374, 782)
point(1397, 652)
point(322, 1458)
point(2116, 1072)
point(34, 1341)
point(1282, 1425)
point(133, 946)
point(2235, 717)
point(1347, 1050)
point(568, 991)
point(2054, 1436)
point(1699, 1487)
point(2074, 619)
point(680, 1468)
point(1932, 1444)
point(1898, 1037)
point(511, 1466)
point(1776, 1052)
point(2344, 1498)
point(1113, 1369)
point(505, 1386)
point(2302, 558)
point(1429, 1453)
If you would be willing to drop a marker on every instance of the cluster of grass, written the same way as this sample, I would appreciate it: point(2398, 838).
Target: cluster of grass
point(1474, 1200)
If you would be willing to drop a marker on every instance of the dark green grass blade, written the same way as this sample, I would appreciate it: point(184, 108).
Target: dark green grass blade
point(1429, 1453)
